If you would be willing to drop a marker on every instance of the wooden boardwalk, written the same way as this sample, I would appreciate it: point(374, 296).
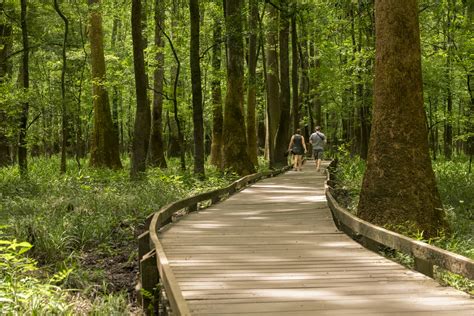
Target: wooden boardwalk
point(273, 249)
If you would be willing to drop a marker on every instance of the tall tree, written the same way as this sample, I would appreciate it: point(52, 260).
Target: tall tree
point(197, 89)
point(294, 74)
point(252, 82)
point(5, 73)
point(235, 143)
point(25, 84)
point(64, 114)
point(282, 136)
point(105, 146)
point(141, 135)
point(399, 184)
point(156, 155)
point(217, 117)
point(273, 88)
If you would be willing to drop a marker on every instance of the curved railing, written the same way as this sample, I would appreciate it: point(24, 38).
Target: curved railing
point(154, 266)
point(372, 237)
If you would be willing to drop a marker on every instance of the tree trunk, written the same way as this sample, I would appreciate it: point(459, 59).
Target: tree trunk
point(235, 143)
point(5, 73)
point(217, 117)
point(294, 73)
point(282, 136)
point(64, 114)
point(25, 83)
point(196, 89)
point(448, 127)
point(252, 84)
point(156, 156)
point(273, 89)
point(399, 186)
point(104, 147)
point(141, 135)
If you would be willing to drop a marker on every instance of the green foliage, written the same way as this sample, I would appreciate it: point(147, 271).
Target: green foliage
point(21, 292)
point(86, 211)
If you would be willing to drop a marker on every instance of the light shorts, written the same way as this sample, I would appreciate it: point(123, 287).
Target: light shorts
point(318, 153)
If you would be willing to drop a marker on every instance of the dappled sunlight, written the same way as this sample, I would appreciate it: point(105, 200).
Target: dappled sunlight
point(274, 247)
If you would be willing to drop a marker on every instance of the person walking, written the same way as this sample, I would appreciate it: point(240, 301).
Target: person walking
point(318, 140)
point(297, 147)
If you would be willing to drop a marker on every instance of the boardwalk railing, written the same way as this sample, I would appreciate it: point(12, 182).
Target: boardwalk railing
point(154, 266)
point(372, 237)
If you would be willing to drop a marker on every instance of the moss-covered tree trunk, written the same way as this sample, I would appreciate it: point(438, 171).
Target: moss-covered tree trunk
point(104, 146)
point(217, 117)
point(198, 130)
point(273, 88)
point(399, 185)
point(141, 135)
point(235, 142)
point(156, 156)
point(252, 80)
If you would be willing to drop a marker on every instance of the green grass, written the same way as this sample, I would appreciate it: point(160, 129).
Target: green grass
point(87, 220)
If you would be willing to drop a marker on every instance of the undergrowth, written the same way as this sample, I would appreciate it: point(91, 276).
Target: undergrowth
point(84, 222)
point(455, 186)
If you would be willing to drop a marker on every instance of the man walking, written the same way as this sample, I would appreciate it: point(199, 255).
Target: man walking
point(317, 140)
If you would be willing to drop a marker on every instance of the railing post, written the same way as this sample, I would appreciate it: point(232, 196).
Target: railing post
point(424, 266)
point(149, 279)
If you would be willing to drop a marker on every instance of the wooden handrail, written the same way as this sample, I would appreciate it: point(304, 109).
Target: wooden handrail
point(425, 255)
point(150, 246)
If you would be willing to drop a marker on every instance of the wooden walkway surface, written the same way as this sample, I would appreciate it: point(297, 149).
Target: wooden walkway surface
point(273, 249)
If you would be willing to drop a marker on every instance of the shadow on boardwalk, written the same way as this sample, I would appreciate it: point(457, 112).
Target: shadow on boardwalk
point(273, 249)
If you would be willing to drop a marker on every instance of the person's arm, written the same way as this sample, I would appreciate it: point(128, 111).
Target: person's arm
point(304, 143)
point(291, 143)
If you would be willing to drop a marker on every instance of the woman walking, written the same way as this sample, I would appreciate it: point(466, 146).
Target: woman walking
point(297, 147)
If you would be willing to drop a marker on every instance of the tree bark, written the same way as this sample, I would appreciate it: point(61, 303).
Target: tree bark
point(5, 73)
point(235, 143)
point(141, 135)
point(156, 156)
point(198, 130)
point(294, 73)
point(25, 83)
point(64, 114)
point(283, 131)
point(104, 147)
point(399, 186)
point(252, 82)
point(217, 117)
point(273, 89)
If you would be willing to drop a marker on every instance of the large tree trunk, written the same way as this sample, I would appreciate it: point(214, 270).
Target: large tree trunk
point(399, 186)
point(5, 73)
point(156, 156)
point(64, 114)
point(25, 83)
point(252, 87)
point(141, 135)
point(217, 117)
point(104, 147)
point(196, 89)
point(294, 74)
point(235, 143)
point(273, 89)
point(282, 136)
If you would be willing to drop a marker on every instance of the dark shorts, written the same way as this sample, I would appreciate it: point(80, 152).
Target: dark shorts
point(297, 151)
point(318, 153)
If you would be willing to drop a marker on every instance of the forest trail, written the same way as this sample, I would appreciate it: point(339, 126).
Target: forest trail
point(273, 249)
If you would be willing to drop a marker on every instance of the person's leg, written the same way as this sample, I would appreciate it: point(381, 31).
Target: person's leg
point(315, 157)
point(320, 157)
point(295, 162)
point(299, 162)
